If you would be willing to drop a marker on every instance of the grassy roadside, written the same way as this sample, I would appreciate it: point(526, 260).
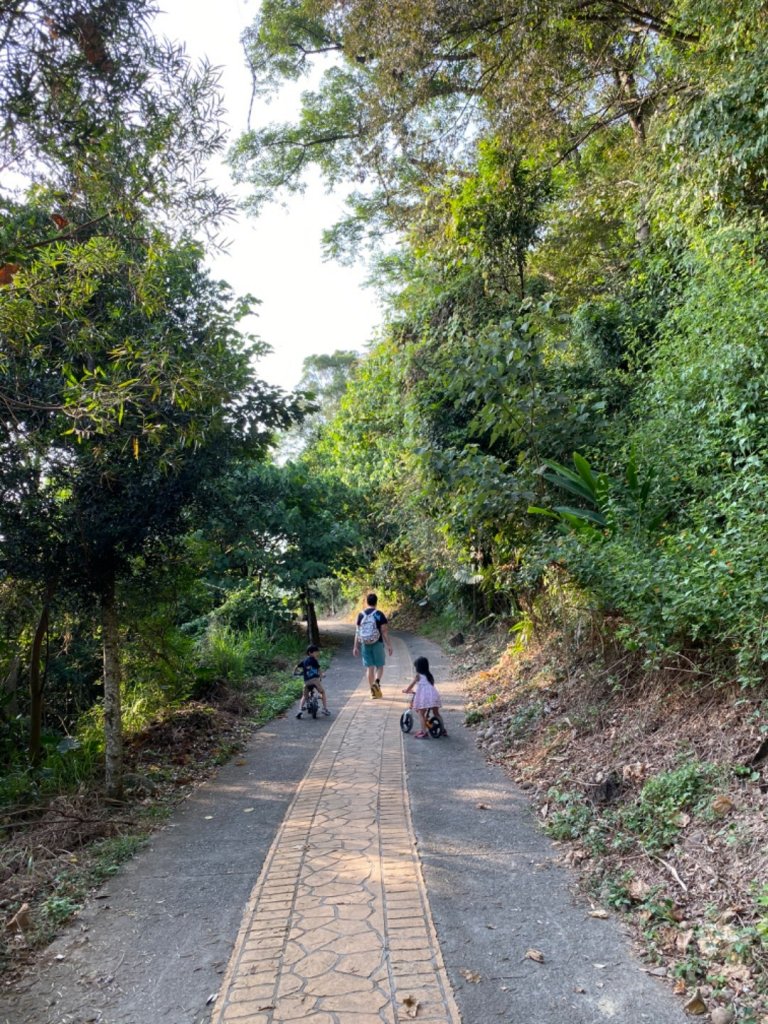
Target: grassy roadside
point(58, 848)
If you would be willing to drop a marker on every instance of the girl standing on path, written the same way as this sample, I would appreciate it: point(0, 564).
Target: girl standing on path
point(425, 697)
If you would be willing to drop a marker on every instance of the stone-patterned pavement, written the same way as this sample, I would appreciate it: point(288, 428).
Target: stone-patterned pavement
point(338, 928)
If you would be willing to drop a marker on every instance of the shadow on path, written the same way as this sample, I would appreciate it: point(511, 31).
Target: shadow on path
point(496, 890)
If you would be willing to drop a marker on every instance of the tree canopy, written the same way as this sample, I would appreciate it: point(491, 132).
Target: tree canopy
point(567, 204)
point(129, 397)
point(566, 208)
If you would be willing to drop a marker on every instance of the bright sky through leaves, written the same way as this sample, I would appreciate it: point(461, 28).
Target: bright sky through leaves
point(308, 306)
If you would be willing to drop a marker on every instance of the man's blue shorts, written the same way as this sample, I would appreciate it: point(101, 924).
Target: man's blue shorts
point(373, 655)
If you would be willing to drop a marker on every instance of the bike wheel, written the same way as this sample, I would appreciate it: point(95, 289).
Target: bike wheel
point(406, 721)
point(435, 729)
point(313, 709)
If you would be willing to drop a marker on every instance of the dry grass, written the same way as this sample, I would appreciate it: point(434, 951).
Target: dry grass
point(49, 850)
point(583, 722)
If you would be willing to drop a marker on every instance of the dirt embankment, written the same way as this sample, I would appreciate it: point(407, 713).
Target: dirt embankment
point(55, 850)
point(656, 782)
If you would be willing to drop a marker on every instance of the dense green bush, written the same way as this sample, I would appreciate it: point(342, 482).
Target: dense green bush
point(233, 657)
point(691, 567)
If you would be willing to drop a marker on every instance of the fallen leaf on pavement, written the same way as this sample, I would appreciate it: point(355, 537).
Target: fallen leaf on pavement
point(696, 1005)
point(534, 954)
point(602, 914)
point(411, 1006)
point(472, 976)
point(483, 807)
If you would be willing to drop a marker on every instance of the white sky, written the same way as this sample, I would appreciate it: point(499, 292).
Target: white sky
point(308, 306)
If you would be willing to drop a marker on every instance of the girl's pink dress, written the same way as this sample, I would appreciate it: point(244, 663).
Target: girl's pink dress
point(425, 695)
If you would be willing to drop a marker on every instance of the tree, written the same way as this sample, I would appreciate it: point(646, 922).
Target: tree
point(322, 385)
point(326, 377)
point(123, 413)
point(409, 88)
point(280, 528)
point(92, 103)
point(107, 130)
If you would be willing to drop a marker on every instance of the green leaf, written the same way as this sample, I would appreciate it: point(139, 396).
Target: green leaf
point(536, 511)
point(574, 486)
point(581, 513)
point(585, 472)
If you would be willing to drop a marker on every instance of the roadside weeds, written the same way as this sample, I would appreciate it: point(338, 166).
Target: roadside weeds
point(655, 785)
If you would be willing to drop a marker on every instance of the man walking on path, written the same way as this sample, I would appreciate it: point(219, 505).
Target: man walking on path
point(371, 635)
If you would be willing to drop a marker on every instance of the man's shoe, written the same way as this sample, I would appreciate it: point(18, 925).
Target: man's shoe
point(326, 711)
point(300, 714)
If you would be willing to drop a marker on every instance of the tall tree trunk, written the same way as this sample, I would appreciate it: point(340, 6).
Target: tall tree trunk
point(37, 681)
point(313, 631)
point(520, 261)
point(636, 111)
point(632, 102)
point(113, 726)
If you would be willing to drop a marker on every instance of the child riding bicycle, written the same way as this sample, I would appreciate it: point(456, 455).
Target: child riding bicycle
point(311, 672)
point(426, 698)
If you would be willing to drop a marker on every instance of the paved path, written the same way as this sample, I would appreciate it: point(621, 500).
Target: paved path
point(341, 873)
point(338, 929)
